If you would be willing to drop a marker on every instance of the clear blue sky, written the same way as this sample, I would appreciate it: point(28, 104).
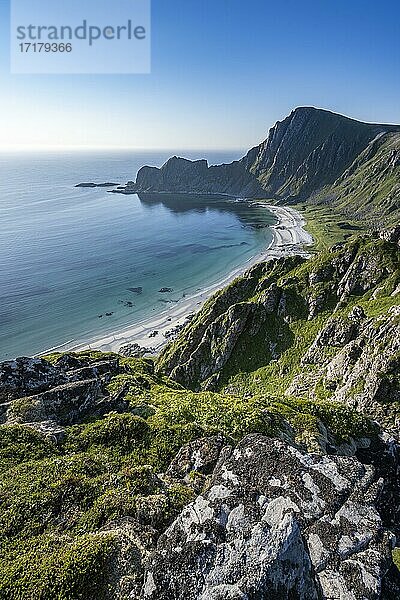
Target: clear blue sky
point(223, 71)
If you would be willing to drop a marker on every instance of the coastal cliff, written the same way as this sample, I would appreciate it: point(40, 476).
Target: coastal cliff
point(313, 155)
point(308, 150)
point(179, 175)
point(258, 455)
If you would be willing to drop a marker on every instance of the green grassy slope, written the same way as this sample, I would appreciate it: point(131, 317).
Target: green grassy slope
point(369, 191)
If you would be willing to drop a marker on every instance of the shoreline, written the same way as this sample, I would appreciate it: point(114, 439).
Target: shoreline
point(289, 237)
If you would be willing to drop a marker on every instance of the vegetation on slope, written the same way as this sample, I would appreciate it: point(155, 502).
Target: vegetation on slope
point(285, 304)
point(368, 192)
point(58, 501)
point(75, 510)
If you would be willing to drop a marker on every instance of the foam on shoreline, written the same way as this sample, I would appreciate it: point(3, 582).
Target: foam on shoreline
point(289, 237)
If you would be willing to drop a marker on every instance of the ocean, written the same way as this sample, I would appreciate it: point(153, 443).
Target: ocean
point(79, 262)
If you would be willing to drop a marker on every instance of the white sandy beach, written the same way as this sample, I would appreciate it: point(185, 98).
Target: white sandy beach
point(289, 237)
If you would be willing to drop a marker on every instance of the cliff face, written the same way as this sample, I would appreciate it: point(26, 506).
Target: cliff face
point(344, 302)
point(309, 149)
point(181, 175)
point(312, 155)
point(370, 188)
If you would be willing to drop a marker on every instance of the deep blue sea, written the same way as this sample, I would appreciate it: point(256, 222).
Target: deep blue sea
point(69, 255)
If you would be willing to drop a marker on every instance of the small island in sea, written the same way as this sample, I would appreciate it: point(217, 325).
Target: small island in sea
point(94, 185)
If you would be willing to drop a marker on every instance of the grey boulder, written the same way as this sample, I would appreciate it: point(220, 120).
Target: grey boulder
point(276, 523)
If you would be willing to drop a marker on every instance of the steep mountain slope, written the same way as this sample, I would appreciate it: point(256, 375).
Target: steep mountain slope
point(370, 187)
point(313, 155)
point(342, 306)
point(257, 457)
point(307, 150)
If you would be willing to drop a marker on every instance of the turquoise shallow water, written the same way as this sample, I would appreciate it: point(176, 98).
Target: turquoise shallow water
point(69, 255)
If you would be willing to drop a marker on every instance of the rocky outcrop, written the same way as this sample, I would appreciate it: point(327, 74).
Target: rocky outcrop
point(96, 185)
point(276, 522)
point(199, 456)
point(215, 349)
point(363, 372)
point(391, 235)
point(179, 175)
point(251, 319)
point(24, 376)
point(135, 350)
point(63, 404)
point(49, 396)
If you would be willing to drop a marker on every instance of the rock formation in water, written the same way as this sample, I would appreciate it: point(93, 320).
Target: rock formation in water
point(179, 175)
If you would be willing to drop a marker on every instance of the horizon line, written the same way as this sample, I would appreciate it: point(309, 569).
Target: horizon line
point(84, 148)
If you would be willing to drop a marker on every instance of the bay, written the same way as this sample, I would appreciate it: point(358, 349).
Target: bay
point(79, 262)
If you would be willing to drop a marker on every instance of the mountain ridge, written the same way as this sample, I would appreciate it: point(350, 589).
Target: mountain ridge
point(294, 146)
point(303, 158)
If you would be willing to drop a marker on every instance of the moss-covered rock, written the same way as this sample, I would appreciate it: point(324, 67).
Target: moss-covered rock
point(50, 567)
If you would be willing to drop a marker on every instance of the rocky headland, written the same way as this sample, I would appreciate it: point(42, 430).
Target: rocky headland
point(312, 155)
